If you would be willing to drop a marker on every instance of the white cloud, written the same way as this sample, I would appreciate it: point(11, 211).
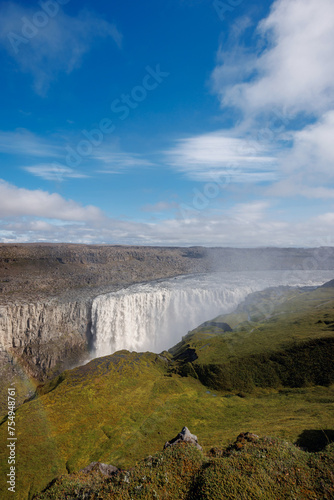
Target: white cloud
point(52, 46)
point(220, 155)
point(313, 149)
point(290, 73)
point(242, 227)
point(54, 172)
point(28, 216)
point(307, 167)
point(295, 71)
point(21, 202)
point(296, 186)
point(249, 212)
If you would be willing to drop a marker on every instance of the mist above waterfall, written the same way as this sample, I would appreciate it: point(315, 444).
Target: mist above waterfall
point(154, 316)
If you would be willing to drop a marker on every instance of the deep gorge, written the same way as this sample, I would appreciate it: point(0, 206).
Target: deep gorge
point(51, 320)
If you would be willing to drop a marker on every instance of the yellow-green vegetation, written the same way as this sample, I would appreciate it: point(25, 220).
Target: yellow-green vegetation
point(121, 408)
point(24, 385)
point(251, 469)
point(278, 339)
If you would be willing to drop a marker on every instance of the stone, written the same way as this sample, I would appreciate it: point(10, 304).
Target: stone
point(105, 469)
point(184, 436)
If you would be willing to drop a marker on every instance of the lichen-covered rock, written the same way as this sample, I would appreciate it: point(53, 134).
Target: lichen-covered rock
point(184, 436)
point(105, 469)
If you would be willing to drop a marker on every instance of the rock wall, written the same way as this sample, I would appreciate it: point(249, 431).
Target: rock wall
point(45, 336)
point(40, 340)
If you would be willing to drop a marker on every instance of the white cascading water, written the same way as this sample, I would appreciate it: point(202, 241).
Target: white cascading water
point(154, 316)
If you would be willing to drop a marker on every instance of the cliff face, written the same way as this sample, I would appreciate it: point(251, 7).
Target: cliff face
point(40, 340)
point(46, 335)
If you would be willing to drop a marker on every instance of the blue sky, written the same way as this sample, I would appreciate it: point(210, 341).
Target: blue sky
point(175, 122)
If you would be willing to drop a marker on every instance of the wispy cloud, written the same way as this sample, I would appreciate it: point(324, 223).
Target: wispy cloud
point(114, 161)
point(104, 159)
point(23, 142)
point(217, 154)
point(58, 47)
point(251, 212)
point(54, 172)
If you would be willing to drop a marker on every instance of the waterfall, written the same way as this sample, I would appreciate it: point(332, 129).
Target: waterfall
point(155, 319)
point(156, 315)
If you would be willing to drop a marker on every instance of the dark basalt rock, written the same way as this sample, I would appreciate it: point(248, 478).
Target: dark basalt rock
point(187, 356)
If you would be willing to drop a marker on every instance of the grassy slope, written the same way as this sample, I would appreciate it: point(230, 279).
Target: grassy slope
point(284, 339)
point(120, 408)
point(265, 324)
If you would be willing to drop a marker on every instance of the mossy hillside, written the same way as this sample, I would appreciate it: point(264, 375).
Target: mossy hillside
point(285, 343)
point(23, 374)
point(260, 469)
point(24, 386)
point(119, 408)
point(262, 323)
point(117, 413)
point(116, 405)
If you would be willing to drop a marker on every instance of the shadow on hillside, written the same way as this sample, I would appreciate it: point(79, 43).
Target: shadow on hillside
point(315, 440)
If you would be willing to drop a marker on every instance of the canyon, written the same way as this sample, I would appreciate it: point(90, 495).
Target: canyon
point(49, 292)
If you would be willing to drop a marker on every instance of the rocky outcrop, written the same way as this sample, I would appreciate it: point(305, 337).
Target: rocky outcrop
point(105, 469)
point(184, 436)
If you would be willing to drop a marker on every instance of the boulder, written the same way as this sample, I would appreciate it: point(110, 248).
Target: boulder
point(184, 436)
point(105, 469)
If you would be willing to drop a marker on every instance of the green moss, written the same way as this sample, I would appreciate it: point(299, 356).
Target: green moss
point(260, 469)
